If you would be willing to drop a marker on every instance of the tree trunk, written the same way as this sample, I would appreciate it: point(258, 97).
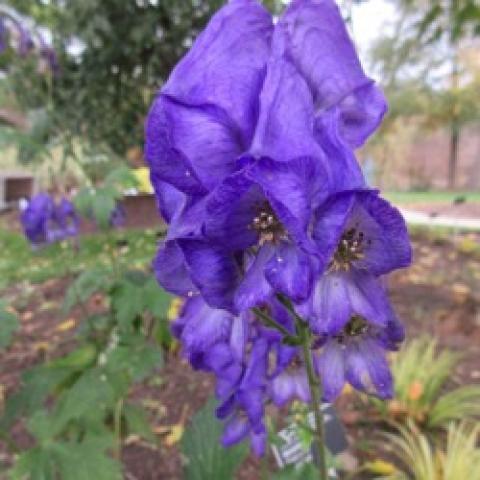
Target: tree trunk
point(453, 157)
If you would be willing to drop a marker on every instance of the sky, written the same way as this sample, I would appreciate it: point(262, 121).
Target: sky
point(369, 20)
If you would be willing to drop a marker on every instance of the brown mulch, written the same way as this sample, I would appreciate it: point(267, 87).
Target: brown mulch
point(438, 296)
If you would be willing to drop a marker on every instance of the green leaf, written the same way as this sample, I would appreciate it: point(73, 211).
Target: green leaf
point(206, 458)
point(135, 357)
point(85, 461)
point(120, 179)
point(8, 326)
point(85, 285)
point(34, 464)
point(304, 472)
point(103, 204)
point(128, 302)
point(137, 422)
point(157, 300)
point(89, 398)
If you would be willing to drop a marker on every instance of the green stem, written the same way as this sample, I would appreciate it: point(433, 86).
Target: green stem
point(270, 322)
point(316, 393)
point(118, 427)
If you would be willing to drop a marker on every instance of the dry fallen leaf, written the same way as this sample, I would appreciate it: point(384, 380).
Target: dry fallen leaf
point(27, 316)
point(66, 325)
point(415, 391)
point(380, 467)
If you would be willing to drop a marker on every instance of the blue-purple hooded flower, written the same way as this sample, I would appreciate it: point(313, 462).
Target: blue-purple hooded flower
point(251, 151)
point(46, 222)
point(3, 35)
point(35, 218)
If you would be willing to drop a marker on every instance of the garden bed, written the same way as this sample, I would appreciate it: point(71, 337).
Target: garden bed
point(437, 296)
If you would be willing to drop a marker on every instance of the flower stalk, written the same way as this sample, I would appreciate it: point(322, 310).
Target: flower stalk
point(316, 396)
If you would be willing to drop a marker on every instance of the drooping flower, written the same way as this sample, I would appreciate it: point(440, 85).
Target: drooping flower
point(45, 222)
point(3, 35)
point(35, 219)
point(356, 354)
point(363, 237)
point(66, 218)
point(250, 145)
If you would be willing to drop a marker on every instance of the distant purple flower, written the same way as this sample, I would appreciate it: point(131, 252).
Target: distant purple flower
point(66, 218)
point(49, 56)
point(45, 222)
point(118, 216)
point(3, 35)
point(25, 42)
point(35, 219)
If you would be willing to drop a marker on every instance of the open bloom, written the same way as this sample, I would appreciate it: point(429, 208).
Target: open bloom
point(356, 354)
point(250, 145)
point(248, 98)
point(362, 237)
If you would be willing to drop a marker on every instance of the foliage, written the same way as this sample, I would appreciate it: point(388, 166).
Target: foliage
point(100, 201)
point(421, 374)
point(8, 325)
point(113, 57)
point(19, 263)
point(206, 458)
point(76, 405)
point(458, 458)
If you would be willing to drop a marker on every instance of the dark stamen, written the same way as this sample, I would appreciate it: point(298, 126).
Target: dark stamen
point(267, 225)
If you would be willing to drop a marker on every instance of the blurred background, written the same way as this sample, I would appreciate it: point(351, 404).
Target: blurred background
point(76, 80)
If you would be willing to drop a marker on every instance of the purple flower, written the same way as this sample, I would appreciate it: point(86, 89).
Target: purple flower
point(250, 145)
point(362, 237)
point(25, 42)
point(356, 354)
point(35, 219)
point(118, 216)
point(66, 218)
point(45, 222)
point(3, 35)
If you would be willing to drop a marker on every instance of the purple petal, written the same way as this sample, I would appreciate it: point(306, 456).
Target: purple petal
point(205, 326)
point(386, 235)
point(230, 212)
point(239, 336)
point(214, 272)
point(368, 297)
point(258, 442)
point(298, 186)
point(291, 271)
point(302, 388)
point(190, 147)
point(235, 430)
point(330, 221)
point(285, 125)
point(225, 66)
point(367, 368)
point(170, 201)
point(282, 389)
point(254, 288)
point(329, 308)
point(345, 171)
point(360, 114)
point(171, 270)
point(319, 45)
point(167, 161)
point(331, 369)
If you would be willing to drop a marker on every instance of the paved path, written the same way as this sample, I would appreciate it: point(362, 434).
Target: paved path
point(420, 218)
